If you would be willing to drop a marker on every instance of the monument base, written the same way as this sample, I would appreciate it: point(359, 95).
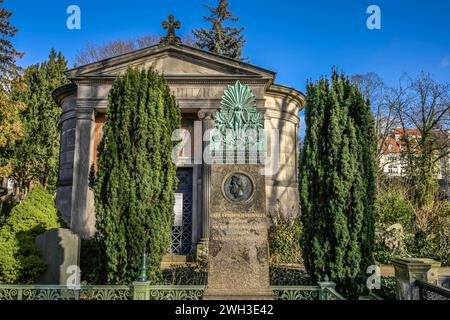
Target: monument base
point(216, 294)
point(202, 249)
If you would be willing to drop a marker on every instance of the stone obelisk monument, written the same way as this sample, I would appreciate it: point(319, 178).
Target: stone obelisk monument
point(238, 244)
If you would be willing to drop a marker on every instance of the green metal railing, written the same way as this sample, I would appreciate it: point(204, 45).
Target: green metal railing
point(176, 292)
point(144, 291)
point(47, 292)
point(332, 294)
point(296, 292)
point(323, 291)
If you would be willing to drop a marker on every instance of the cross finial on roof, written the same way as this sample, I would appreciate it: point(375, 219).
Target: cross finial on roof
point(171, 25)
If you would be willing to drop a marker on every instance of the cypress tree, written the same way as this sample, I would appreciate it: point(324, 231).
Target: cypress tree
point(136, 178)
point(220, 39)
point(336, 191)
point(364, 120)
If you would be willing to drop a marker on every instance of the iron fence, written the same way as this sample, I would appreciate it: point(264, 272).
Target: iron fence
point(162, 292)
point(428, 291)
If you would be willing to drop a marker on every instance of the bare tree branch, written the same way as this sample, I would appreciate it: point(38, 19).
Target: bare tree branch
point(92, 53)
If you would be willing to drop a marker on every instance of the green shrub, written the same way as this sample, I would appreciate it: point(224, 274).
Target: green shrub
point(388, 288)
point(394, 223)
point(432, 239)
point(284, 241)
point(289, 276)
point(5, 209)
point(20, 260)
point(394, 207)
point(185, 275)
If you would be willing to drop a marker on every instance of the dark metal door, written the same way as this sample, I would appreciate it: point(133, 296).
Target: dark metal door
point(181, 237)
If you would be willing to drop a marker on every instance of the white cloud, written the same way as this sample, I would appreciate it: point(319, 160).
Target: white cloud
point(445, 62)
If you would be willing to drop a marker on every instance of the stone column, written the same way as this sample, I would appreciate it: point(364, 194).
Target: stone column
point(407, 271)
point(207, 117)
point(83, 213)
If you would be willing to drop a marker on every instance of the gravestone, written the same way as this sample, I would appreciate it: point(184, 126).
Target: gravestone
point(238, 243)
point(60, 248)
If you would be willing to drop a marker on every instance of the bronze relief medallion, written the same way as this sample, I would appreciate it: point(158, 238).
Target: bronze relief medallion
point(238, 187)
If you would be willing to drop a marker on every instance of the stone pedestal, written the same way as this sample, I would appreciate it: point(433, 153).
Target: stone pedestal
point(60, 248)
point(433, 273)
point(238, 244)
point(202, 249)
point(141, 290)
point(407, 271)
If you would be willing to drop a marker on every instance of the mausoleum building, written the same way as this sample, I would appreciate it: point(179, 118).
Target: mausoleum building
point(198, 80)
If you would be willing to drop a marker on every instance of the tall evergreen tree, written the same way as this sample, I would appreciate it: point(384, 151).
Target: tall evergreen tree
point(10, 125)
point(136, 178)
point(35, 156)
point(337, 187)
point(361, 113)
point(9, 71)
point(220, 39)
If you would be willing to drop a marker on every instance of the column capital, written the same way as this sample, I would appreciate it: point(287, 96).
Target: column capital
point(85, 113)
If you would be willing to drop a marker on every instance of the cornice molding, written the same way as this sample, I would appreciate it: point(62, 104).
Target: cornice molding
point(183, 51)
point(180, 79)
point(277, 114)
point(279, 91)
point(59, 94)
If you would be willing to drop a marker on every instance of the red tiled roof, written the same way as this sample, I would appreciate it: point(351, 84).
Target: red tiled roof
point(393, 145)
point(410, 132)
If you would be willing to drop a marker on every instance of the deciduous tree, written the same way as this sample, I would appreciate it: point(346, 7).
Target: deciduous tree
point(10, 124)
point(92, 52)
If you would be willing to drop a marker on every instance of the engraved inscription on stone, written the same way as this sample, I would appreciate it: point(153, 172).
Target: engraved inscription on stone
point(238, 187)
point(240, 226)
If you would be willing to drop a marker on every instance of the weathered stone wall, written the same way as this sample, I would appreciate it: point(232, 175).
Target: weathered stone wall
point(281, 187)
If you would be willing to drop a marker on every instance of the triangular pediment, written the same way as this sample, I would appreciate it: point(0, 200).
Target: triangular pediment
point(173, 61)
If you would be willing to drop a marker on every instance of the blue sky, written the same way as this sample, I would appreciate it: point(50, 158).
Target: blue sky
point(299, 40)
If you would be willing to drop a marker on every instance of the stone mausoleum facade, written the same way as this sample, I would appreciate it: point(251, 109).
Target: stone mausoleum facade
point(198, 80)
